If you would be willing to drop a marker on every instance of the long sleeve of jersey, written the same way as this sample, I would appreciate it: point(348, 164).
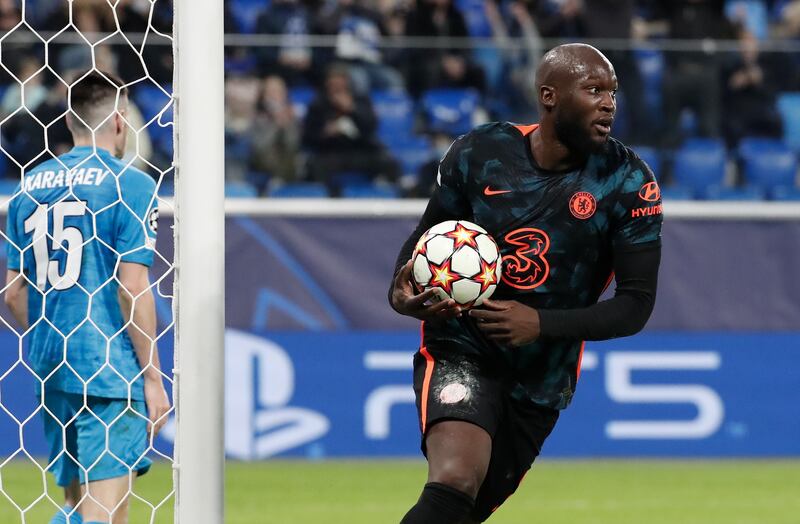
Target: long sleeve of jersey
point(636, 275)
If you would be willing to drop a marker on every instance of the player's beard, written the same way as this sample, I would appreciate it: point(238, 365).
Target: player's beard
point(573, 134)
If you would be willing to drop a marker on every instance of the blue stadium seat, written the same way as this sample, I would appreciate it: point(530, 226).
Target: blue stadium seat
point(152, 101)
point(785, 193)
point(700, 163)
point(490, 59)
point(240, 190)
point(370, 191)
point(412, 153)
point(651, 157)
point(475, 17)
point(789, 107)
point(450, 111)
point(395, 112)
point(676, 193)
point(300, 97)
point(717, 192)
point(349, 179)
point(300, 190)
point(767, 162)
point(651, 68)
point(246, 13)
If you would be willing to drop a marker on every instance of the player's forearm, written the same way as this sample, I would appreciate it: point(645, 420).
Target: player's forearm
point(16, 297)
point(141, 315)
point(621, 316)
point(19, 307)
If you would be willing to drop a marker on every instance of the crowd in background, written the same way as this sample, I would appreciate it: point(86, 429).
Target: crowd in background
point(349, 92)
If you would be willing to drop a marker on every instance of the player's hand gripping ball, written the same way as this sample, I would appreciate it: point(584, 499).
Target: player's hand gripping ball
point(458, 260)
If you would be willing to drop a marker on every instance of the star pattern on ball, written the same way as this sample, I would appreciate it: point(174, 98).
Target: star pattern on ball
point(463, 236)
point(487, 276)
point(443, 277)
point(421, 246)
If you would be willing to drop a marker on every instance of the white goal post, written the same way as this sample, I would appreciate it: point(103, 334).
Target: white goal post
point(199, 261)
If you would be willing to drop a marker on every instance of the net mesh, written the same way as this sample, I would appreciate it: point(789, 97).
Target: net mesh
point(43, 55)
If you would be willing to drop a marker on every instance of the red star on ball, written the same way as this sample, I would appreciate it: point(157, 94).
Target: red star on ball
point(421, 245)
point(487, 276)
point(463, 236)
point(443, 276)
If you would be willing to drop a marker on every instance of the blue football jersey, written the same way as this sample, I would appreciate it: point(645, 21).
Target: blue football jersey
point(73, 220)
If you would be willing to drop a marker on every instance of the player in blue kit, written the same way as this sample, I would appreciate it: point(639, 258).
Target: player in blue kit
point(81, 236)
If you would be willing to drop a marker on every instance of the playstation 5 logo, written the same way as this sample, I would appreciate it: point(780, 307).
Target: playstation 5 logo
point(259, 383)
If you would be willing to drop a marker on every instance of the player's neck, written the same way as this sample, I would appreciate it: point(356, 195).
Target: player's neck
point(100, 141)
point(550, 153)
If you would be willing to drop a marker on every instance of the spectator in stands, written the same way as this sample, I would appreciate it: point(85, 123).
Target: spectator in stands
point(750, 99)
point(448, 64)
point(339, 132)
point(95, 19)
point(515, 98)
point(9, 15)
point(134, 16)
point(24, 138)
point(553, 18)
point(14, 44)
point(35, 90)
point(275, 138)
point(241, 100)
point(788, 27)
point(396, 56)
point(692, 78)
point(359, 30)
point(292, 58)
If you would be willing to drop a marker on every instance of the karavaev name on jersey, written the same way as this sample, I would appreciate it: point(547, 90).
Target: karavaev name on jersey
point(557, 232)
point(70, 224)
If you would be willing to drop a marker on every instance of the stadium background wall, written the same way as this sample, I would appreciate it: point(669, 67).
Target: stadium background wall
point(320, 365)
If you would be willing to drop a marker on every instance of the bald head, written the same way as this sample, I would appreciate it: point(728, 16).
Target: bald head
point(563, 66)
point(576, 89)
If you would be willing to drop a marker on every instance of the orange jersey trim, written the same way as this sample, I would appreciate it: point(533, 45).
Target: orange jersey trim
point(426, 382)
point(526, 130)
point(580, 359)
point(608, 282)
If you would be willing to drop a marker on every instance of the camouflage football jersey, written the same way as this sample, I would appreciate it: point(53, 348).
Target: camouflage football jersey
point(557, 231)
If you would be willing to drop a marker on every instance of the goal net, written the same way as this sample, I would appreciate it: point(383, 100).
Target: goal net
point(71, 373)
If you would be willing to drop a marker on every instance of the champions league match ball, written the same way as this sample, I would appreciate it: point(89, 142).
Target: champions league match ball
point(458, 260)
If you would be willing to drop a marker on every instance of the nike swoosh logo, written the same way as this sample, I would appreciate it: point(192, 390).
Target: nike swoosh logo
point(488, 191)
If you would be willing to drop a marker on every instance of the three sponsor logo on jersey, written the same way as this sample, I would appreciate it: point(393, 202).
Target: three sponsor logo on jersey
point(527, 268)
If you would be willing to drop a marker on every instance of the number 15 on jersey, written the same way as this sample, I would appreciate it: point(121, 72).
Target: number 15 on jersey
point(65, 239)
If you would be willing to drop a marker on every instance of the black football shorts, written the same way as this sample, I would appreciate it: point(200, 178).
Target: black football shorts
point(450, 386)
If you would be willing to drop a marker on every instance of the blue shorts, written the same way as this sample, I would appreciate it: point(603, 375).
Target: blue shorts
point(104, 439)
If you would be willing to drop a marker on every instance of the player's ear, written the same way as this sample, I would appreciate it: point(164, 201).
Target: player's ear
point(119, 123)
point(547, 96)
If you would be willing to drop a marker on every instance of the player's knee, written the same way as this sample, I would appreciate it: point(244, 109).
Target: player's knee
point(460, 476)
